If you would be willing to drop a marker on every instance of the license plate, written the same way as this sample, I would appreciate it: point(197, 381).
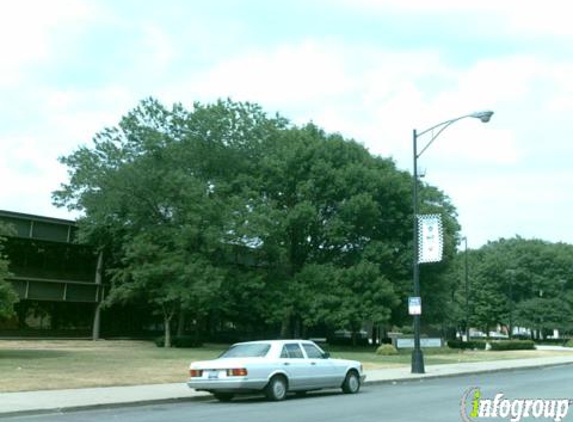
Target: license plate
point(213, 374)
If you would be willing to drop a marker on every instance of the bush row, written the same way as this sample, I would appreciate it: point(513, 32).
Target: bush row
point(471, 345)
point(512, 345)
point(494, 344)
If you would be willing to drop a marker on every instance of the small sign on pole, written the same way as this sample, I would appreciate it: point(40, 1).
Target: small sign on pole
point(415, 305)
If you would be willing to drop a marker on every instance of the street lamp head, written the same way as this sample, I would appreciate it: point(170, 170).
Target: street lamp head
point(484, 116)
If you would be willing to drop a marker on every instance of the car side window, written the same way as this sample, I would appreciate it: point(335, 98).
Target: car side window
point(284, 353)
point(294, 351)
point(312, 351)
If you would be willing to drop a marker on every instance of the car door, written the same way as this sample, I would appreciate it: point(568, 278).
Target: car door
point(293, 362)
point(322, 373)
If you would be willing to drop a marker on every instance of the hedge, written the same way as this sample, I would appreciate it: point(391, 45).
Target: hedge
point(471, 345)
point(512, 345)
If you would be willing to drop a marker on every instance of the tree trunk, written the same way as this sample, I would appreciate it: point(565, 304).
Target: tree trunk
point(285, 327)
point(375, 334)
point(296, 327)
point(167, 330)
point(196, 329)
point(181, 324)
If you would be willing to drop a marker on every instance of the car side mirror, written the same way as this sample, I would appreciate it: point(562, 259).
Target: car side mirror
point(326, 355)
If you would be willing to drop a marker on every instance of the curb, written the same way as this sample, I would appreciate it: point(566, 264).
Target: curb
point(71, 409)
point(461, 374)
point(207, 397)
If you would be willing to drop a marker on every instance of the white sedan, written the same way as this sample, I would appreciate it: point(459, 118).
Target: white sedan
point(274, 368)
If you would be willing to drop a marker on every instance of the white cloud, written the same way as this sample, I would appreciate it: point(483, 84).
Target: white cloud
point(374, 96)
point(506, 203)
point(26, 30)
point(290, 74)
point(38, 172)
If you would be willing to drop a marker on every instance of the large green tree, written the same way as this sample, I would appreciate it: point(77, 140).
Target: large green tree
point(159, 193)
point(331, 217)
point(225, 212)
point(158, 217)
point(517, 282)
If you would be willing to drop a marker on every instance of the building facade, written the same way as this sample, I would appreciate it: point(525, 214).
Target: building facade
point(58, 280)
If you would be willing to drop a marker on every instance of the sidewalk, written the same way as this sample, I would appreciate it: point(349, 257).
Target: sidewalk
point(54, 401)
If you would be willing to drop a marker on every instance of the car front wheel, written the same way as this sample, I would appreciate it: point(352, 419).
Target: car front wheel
point(276, 389)
point(351, 384)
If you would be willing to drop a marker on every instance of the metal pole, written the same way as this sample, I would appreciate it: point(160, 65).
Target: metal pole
point(97, 314)
point(467, 291)
point(417, 356)
point(511, 307)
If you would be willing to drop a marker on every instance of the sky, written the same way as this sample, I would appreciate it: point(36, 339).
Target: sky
point(372, 70)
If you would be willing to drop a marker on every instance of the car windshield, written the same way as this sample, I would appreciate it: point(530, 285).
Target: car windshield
point(255, 350)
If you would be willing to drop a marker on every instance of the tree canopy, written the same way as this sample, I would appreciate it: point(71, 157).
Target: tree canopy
point(224, 213)
point(518, 283)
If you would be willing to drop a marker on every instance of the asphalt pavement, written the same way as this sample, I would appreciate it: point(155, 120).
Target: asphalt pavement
point(435, 399)
point(59, 401)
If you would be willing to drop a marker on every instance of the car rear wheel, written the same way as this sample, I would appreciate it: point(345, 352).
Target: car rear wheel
point(276, 389)
point(351, 384)
point(224, 397)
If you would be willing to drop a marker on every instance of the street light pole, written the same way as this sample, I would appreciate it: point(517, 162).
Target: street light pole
point(511, 281)
point(417, 356)
point(484, 116)
point(466, 274)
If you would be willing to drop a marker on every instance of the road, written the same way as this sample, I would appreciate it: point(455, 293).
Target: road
point(428, 400)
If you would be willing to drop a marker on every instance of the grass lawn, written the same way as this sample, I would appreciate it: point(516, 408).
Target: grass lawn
point(55, 364)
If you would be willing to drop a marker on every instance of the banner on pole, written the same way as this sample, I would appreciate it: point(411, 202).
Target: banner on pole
point(430, 238)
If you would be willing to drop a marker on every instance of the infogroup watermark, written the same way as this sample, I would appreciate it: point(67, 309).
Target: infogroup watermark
point(474, 407)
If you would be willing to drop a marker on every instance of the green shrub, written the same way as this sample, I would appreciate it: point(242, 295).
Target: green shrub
point(467, 345)
point(180, 341)
point(569, 343)
point(386, 350)
point(512, 345)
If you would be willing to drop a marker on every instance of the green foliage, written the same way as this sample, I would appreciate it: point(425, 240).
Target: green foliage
point(8, 296)
point(386, 350)
point(569, 343)
point(467, 345)
point(519, 282)
point(499, 345)
point(231, 216)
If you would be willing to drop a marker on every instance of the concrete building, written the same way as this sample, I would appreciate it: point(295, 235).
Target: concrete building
point(58, 280)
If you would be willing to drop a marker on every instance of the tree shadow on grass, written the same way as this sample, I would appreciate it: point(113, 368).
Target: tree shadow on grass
point(32, 354)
